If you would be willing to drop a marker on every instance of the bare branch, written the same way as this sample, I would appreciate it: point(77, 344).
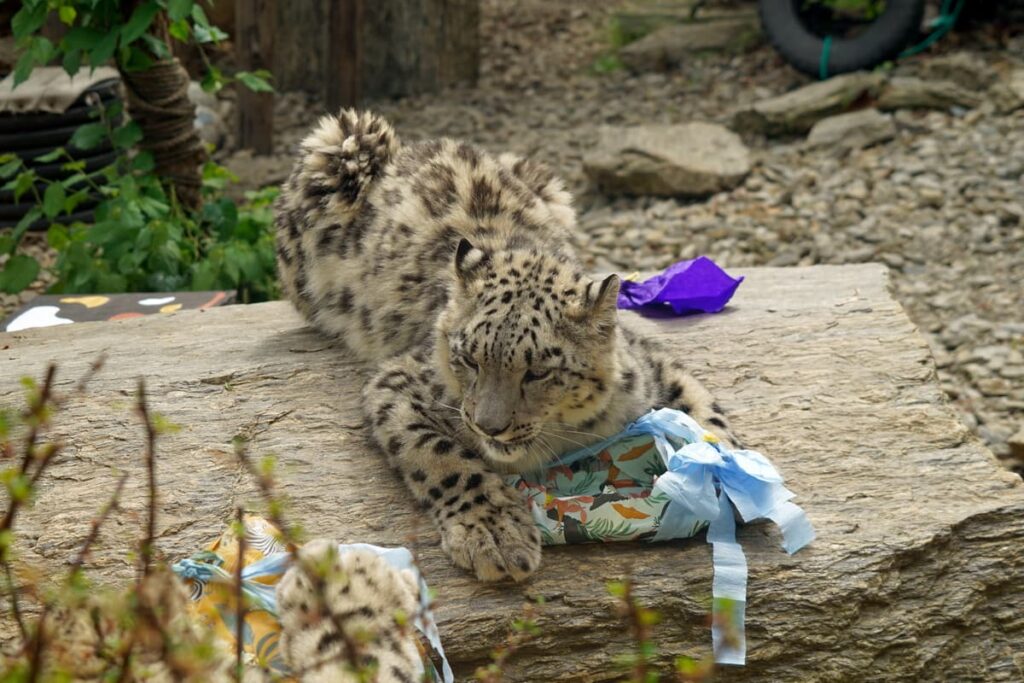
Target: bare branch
point(266, 486)
point(146, 548)
point(94, 529)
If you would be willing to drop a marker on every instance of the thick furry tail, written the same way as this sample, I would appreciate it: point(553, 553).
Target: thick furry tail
point(342, 157)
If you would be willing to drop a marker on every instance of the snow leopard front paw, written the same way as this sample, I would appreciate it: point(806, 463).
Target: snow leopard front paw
point(495, 538)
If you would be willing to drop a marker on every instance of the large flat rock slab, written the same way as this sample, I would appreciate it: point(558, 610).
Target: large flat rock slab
point(917, 572)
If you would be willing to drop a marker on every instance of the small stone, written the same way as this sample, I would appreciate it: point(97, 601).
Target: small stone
point(855, 130)
point(691, 159)
point(915, 93)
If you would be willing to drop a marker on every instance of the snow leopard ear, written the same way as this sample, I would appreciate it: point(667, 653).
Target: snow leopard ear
point(469, 260)
point(600, 302)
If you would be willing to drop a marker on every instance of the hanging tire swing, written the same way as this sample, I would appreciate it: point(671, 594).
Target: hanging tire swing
point(821, 39)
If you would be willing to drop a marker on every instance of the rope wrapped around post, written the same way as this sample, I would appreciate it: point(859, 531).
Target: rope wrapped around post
point(158, 101)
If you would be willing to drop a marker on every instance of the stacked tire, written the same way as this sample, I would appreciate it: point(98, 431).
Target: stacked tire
point(34, 134)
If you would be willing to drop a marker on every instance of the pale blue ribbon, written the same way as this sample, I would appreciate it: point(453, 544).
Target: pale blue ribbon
point(263, 596)
point(706, 481)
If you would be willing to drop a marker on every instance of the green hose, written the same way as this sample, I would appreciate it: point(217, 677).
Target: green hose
point(942, 25)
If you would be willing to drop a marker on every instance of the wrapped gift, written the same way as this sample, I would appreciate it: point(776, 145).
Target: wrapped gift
point(665, 477)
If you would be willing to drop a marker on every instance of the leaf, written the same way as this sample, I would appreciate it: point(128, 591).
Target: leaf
point(72, 62)
point(208, 34)
point(634, 453)
point(29, 18)
point(82, 38)
point(57, 237)
point(53, 200)
point(104, 49)
point(127, 135)
point(178, 10)
point(23, 183)
point(255, 81)
point(67, 14)
point(629, 513)
point(180, 30)
point(199, 15)
point(143, 162)
point(140, 20)
point(37, 51)
point(158, 47)
point(50, 156)
point(213, 80)
point(19, 273)
point(134, 58)
point(34, 214)
point(89, 135)
point(7, 244)
point(74, 200)
point(9, 168)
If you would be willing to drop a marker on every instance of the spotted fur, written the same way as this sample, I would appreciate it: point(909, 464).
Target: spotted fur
point(342, 613)
point(453, 271)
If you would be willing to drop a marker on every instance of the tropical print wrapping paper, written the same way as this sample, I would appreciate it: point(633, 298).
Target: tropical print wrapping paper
point(609, 496)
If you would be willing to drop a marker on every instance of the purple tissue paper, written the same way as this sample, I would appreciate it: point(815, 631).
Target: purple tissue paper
point(695, 286)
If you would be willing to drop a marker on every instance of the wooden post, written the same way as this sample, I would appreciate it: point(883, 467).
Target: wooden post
point(343, 74)
point(351, 50)
point(254, 36)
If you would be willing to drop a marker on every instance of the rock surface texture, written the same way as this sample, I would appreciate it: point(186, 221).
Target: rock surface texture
point(690, 159)
point(854, 130)
point(917, 572)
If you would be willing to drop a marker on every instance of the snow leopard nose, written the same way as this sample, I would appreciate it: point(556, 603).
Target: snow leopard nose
point(491, 430)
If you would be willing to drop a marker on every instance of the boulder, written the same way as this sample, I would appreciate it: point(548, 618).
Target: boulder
point(798, 110)
point(669, 47)
point(854, 130)
point(691, 159)
point(916, 93)
point(917, 572)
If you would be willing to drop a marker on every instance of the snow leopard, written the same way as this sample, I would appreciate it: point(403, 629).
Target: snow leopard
point(453, 271)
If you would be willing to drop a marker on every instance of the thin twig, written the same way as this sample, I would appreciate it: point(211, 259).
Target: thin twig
point(146, 549)
point(94, 529)
point(240, 610)
point(83, 382)
point(35, 415)
point(15, 606)
point(266, 486)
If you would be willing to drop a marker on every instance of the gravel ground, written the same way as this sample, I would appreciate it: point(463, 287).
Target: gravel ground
point(942, 204)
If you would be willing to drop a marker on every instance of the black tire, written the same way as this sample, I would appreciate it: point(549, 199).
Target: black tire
point(882, 40)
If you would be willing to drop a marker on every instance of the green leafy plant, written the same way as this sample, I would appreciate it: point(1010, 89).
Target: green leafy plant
point(134, 34)
point(150, 233)
point(142, 239)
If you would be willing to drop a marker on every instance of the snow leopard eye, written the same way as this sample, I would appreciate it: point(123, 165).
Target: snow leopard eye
point(532, 376)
